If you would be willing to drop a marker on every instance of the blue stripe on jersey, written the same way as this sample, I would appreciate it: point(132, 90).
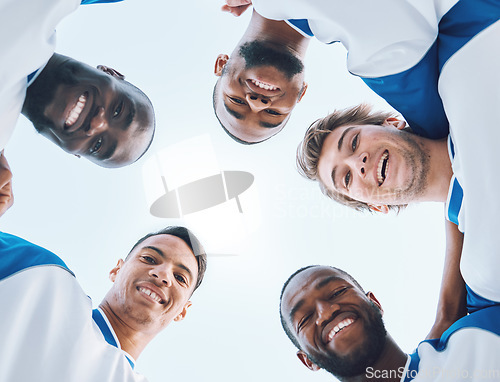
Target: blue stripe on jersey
point(476, 302)
point(414, 94)
point(30, 76)
point(455, 201)
point(412, 367)
point(98, 1)
point(17, 254)
point(106, 331)
point(462, 22)
point(303, 25)
point(486, 319)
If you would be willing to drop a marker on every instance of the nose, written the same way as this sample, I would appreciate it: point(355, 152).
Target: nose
point(358, 162)
point(325, 311)
point(258, 102)
point(162, 275)
point(98, 123)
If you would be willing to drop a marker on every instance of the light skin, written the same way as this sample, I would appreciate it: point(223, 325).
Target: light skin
point(354, 171)
point(151, 288)
point(247, 110)
point(318, 299)
point(90, 112)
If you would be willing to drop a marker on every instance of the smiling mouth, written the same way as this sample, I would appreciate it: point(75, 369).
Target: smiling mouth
point(264, 85)
point(339, 327)
point(76, 111)
point(382, 168)
point(151, 294)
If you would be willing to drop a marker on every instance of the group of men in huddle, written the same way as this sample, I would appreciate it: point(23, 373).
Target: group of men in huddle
point(434, 61)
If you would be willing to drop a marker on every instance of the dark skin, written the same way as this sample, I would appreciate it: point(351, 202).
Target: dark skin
point(318, 299)
point(6, 196)
point(253, 109)
point(89, 112)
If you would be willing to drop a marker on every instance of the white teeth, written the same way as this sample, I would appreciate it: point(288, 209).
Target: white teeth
point(341, 325)
point(151, 294)
point(263, 85)
point(75, 112)
point(381, 178)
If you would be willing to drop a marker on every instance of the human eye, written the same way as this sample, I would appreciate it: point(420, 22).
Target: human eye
point(181, 279)
point(118, 110)
point(338, 292)
point(149, 259)
point(303, 322)
point(355, 142)
point(347, 179)
point(96, 147)
point(237, 101)
point(272, 112)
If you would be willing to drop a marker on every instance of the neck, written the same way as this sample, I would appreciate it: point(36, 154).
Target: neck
point(276, 32)
point(132, 341)
point(387, 368)
point(440, 171)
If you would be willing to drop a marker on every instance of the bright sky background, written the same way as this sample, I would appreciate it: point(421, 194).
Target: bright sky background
point(91, 216)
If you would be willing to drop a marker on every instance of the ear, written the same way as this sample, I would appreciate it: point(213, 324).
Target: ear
point(220, 62)
point(306, 361)
point(115, 270)
point(303, 91)
point(373, 299)
point(394, 122)
point(383, 209)
point(112, 72)
point(182, 314)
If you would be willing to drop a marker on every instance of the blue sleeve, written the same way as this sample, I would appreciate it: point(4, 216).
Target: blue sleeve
point(17, 254)
point(83, 2)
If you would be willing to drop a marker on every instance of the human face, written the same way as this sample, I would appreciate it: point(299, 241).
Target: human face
point(90, 112)
point(337, 326)
point(152, 287)
point(375, 164)
point(255, 97)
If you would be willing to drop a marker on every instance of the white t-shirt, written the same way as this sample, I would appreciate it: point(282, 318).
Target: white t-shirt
point(470, 88)
point(27, 41)
point(47, 329)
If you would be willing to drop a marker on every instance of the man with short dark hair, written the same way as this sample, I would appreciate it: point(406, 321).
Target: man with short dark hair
point(398, 48)
point(338, 327)
point(48, 328)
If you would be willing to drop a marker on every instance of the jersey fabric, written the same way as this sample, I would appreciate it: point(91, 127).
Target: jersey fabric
point(469, 88)
point(396, 46)
point(468, 350)
point(27, 41)
point(48, 330)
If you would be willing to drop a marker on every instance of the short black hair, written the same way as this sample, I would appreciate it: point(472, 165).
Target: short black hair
point(192, 242)
point(286, 328)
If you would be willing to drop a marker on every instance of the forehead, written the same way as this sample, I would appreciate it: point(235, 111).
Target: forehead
point(305, 286)
point(172, 247)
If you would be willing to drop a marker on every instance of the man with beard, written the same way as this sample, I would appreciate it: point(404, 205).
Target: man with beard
point(51, 333)
point(338, 327)
point(400, 59)
point(262, 81)
point(364, 159)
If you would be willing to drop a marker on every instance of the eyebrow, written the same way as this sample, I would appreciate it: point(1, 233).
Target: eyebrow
point(130, 117)
point(109, 152)
point(295, 309)
point(341, 140)
point(162, 254)
point(233, 113)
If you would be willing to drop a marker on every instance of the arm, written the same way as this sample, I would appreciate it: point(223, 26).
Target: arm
point(6, 197)
point(452, 303)
point(236, 7)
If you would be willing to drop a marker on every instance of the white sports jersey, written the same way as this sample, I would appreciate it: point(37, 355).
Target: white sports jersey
point(468, 351)
point(48, 331)
point(470, 88)
point(397, 47)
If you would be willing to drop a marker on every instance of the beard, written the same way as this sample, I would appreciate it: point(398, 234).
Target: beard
point(258, 53)
point(355, 364)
